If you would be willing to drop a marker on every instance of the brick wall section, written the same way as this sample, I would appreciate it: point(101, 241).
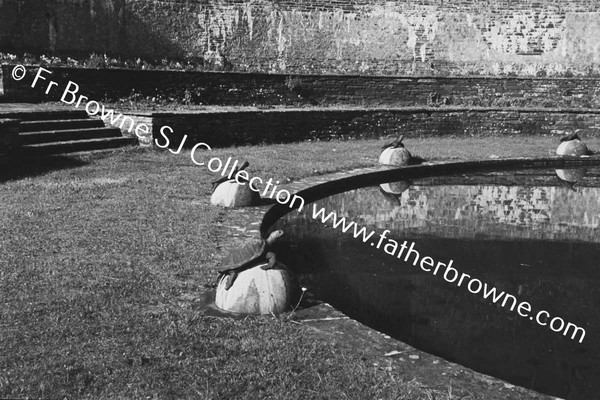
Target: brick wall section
point(248, 89)
point(408, 37)
point(273, 126)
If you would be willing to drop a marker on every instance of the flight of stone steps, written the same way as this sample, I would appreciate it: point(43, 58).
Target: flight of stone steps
point(47, 130)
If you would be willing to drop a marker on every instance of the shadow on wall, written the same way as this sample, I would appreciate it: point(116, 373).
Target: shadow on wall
point(109, 27)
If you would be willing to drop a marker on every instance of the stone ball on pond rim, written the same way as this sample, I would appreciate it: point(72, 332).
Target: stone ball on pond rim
point(259, 291)
point(232, 194)
point(395, 156)
point(572, 148)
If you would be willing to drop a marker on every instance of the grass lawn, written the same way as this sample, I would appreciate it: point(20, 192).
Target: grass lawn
point(103, 256)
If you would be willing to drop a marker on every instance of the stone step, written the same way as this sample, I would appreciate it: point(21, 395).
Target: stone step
point(68, 134)
point(72, 146)
point(39, 114)
point(60, 124)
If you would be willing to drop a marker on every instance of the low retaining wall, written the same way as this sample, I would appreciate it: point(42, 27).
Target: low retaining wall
point(9, 137)
point(245, 89)
point(220, 129)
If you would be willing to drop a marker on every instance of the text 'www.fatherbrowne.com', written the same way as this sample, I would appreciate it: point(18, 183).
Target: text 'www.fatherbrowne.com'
point(406, 251)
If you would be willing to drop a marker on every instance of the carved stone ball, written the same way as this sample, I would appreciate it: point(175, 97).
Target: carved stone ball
point(232, 194)
point(258, 291)
point(395, 156)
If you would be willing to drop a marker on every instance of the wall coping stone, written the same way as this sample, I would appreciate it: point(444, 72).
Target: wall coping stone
point(409, 109)
point(324, 75)
point(9, 121)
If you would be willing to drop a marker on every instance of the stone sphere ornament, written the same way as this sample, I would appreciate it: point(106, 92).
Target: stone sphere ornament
point(233, 194)
point(395, 153)
point(572, 148)
point(258, 291)
point(395, 156)
point(571, 145)
point(252, 281)
point(234, 191)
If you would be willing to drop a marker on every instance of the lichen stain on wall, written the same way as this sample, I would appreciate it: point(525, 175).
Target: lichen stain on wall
point(247, 15)
point(52, 31)
point(92, 11)
point(219, 24)
point(582, 37)
point(528, 32)
point(107, 6)
point(419, 25)
point(459, 39)
point(389, 32)
point(339, 35)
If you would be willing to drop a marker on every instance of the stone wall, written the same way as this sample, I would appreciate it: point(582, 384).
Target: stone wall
point(9, 138)
point(252, 89)
point(456, 37)
point(220, 129)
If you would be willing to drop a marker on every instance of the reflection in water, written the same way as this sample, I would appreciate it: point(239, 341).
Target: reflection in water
point(569, 177)
point(539, 242)
point(393, 190)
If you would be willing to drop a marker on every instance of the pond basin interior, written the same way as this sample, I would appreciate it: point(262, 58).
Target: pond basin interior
point(526, 232)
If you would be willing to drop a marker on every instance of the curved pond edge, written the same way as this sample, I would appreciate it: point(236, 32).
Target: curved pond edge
point(409, 362)
point(389, 174)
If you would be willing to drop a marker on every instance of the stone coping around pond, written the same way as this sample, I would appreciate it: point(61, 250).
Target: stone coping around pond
point(327, 323)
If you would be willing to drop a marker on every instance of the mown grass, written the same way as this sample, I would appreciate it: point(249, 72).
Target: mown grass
point(103, 261)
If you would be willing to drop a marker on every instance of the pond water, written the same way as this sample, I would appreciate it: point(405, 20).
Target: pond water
point(527, 233)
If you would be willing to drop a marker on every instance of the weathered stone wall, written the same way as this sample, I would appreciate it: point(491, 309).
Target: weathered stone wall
point(457, 37)
point(251, 89)
point(9, 138)
point(221, 129)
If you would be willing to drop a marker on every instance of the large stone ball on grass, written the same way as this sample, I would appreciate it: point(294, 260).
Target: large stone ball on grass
point(232, 194)
point(259, 291)
point(395, 156)
point(572, 148)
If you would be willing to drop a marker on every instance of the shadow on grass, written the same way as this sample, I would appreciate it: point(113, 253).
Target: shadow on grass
point(23, 167)
point(265, 201)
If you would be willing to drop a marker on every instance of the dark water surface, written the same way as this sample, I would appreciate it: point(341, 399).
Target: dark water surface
point(527, 233)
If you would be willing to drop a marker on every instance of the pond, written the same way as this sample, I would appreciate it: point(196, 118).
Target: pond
point(527, 233)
